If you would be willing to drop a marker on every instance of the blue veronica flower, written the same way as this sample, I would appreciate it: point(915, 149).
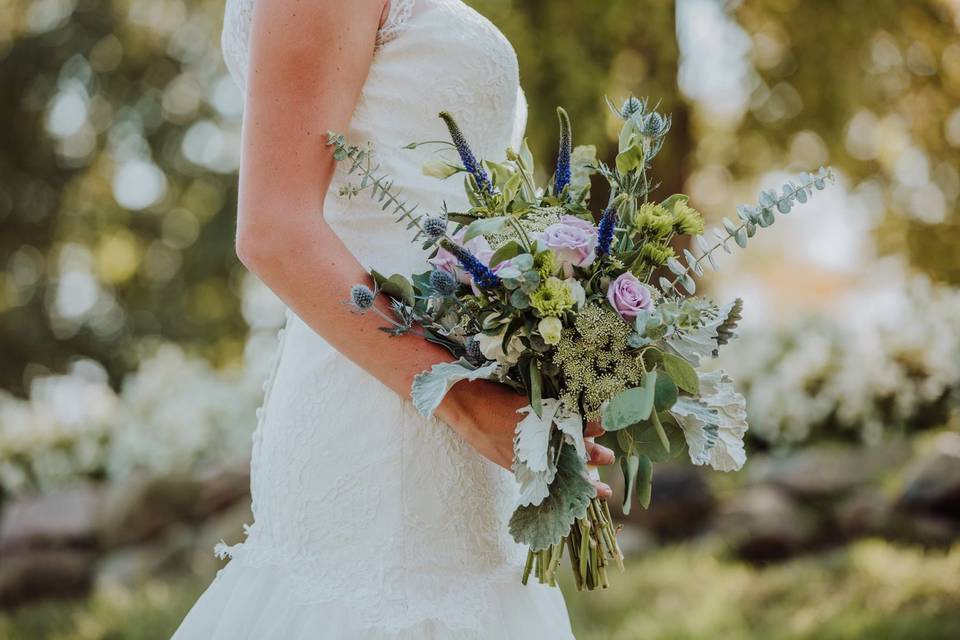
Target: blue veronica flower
point(482, 275)
point(469, 160)
point(563, 159)
point(608, 224)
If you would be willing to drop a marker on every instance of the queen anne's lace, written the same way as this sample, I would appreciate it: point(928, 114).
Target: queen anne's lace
point(358, 499)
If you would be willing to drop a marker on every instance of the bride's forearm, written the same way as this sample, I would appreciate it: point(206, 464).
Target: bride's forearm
point(312, 271)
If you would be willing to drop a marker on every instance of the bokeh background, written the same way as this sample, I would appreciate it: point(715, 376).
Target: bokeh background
point(133, 345)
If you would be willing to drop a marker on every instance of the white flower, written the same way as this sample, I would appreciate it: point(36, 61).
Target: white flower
point(715, 423)
point(493, 349)
point(550, 329)
point(577, 291)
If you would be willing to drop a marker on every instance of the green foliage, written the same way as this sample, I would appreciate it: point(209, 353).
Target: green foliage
point(682, 373)
point(540, 526)
point(630, 406)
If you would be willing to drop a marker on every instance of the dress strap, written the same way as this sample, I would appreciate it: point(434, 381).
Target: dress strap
point(398, 15)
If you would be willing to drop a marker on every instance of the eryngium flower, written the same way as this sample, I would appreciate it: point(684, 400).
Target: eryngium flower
point(434, 226)
point(469, 160)
point(472, 348)
point(443, 282)
point(631, 106)
point(361, 297)
point(563, 157)
point(482, 275)
point(656, 125)
point(608, 224)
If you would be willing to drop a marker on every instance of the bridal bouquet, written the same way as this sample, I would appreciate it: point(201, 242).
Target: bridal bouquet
point(592, 317)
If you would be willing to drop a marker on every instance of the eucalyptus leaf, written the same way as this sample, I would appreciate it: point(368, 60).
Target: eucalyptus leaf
point(485, 226)
point(629, 465)
point(509, 250)
point(536, 388)
point(645, 441)
point(396, 286)
point(430, 387)
point(665, 393)
point(630, 406)
point(644, 481)
point(543, 525)
point(682, 373)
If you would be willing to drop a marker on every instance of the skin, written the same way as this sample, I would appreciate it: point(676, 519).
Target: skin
point(309, 60)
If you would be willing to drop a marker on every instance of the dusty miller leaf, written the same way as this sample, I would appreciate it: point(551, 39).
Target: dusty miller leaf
point(546, 524)
point(430, 387)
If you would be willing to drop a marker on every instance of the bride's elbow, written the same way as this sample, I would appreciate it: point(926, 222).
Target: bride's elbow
point(256, 249)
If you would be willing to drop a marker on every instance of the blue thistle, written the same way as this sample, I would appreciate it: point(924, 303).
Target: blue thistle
point(361, 297)
point(434, 226)
point(608, 224)
point(472, 348)
point(563, 158)
point(482, 275)
point(442, 282)
point(469, 160)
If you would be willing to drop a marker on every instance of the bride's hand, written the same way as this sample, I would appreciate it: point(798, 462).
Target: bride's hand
point(487, 418)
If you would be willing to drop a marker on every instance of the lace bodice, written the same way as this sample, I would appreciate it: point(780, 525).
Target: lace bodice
point(432, 55)
point(356, 497)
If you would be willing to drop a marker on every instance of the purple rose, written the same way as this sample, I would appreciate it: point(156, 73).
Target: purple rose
point(628, 296)
point(446, 261)
point(574, 241)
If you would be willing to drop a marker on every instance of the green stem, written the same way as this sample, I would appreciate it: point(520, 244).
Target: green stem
point(660, 431)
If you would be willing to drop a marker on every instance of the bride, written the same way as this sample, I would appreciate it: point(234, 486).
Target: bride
point(370, 521)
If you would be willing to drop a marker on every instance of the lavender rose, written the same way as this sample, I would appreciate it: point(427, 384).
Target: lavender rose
point(628, 296)
point(573, 241)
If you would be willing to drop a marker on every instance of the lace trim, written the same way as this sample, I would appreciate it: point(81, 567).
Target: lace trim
point(397, 17)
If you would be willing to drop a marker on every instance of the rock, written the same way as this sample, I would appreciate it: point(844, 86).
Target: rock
point(65, 518)
point(681, 504)
point(142, 507)
point(828, 471)
point(222, 489)
point(866, 512)
point(766, 523)
point(171, 553)
point(32, 574)
point(932, 483)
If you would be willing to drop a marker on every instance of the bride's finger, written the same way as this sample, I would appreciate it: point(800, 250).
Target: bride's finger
point(598, 454)
point(593, 429)
point(603, 489)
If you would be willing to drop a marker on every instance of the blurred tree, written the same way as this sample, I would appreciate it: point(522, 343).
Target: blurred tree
point(116, 195)
point(873, 87)
point(574, 54)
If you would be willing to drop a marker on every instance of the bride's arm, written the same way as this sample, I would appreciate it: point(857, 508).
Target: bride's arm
point(308, 63)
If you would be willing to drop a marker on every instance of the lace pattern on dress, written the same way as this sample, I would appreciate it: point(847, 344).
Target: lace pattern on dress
point(397, 16)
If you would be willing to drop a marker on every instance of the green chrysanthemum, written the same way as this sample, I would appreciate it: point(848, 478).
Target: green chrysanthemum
point(552, 298)
point(687, 220)
point(545, 263)
point(653, 221)
point(655, 254)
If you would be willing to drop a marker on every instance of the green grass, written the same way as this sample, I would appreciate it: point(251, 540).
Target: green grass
point(872, 590)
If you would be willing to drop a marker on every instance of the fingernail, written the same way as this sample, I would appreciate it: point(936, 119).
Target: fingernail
point(604, 490)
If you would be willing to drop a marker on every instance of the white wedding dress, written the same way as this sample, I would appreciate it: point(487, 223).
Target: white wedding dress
point(371, 522)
